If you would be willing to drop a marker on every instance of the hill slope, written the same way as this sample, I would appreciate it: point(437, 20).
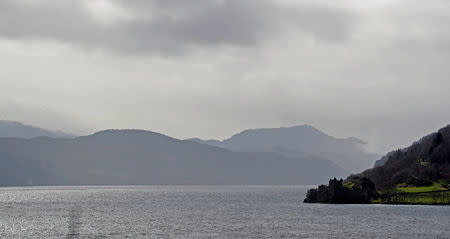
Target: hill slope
point(426, 160)
point(121, 157)
point(19, 130)
point(299, 142)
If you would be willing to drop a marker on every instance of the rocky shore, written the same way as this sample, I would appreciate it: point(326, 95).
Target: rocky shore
point(361, 190)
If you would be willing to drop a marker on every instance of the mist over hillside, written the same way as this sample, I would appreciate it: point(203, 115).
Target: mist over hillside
point(19, 130)
point(135, 157)
point(300, 142)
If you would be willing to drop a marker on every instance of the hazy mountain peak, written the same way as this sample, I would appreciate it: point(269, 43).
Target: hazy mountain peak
point(124, 132)
point(303, 126)
point(304, 130)
point(299, 141)
point(136, 134)
point(19, 130)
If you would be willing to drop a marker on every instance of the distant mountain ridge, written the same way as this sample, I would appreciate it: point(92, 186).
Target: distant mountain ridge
point(137, 157)
point(299, 142)
point(18, 130)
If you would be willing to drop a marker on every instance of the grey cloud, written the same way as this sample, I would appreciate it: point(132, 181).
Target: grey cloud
point(324, 23)
point(378, 73)
point(169, 26)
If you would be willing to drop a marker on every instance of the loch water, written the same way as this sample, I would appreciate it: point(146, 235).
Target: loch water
point(205, 212)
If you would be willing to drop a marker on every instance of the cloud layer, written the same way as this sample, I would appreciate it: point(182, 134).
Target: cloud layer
point(378, 70)
point(165, 26)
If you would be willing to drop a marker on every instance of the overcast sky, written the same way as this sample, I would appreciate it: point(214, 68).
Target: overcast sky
point(378, 70)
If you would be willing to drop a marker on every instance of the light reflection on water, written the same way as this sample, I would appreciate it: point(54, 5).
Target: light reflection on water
point(205, 212)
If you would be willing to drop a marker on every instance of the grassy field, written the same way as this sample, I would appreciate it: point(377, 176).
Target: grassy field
point(426, 198)
point(437, 193)
point(402, 194)
point(437, 186)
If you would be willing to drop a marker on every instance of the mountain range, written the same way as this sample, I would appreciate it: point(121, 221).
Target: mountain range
point(138, 157)
point(135, 157)
point(300, 142)
point(19, 130)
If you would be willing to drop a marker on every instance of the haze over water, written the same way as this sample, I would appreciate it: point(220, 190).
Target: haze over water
point(205, 212)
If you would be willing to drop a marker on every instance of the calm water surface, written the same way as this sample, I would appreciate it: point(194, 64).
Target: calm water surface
point(205, 212)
